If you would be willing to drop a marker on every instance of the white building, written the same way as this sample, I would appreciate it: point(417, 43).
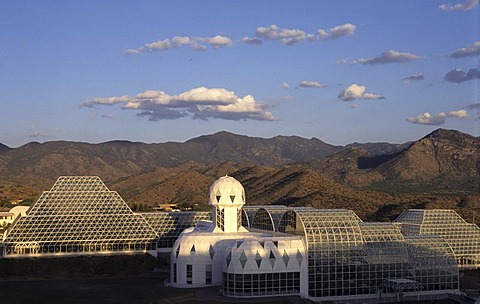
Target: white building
point(224, 253)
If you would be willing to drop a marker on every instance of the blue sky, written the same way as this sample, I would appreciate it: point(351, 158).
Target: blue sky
point(153, 71)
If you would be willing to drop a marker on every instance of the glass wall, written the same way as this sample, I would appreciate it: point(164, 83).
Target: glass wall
point(169, 225)
point(463, 237)
point(261, 284)
point(347, 257)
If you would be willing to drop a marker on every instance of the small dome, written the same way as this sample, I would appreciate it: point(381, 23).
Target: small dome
point(227, 191)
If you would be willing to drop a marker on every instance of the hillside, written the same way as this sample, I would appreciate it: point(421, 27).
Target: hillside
point(441, 169)
point(291, 185)
point(117, 159)
point(3, 148)
point(444, 161)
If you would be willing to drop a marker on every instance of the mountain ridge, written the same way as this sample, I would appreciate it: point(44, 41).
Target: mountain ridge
point(280, 170)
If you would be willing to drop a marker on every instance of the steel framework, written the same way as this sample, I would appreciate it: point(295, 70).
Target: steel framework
point(79, 215)
point(463, 237)
point(347, 257)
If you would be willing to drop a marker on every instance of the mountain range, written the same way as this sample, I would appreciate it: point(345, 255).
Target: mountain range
point(373, 179)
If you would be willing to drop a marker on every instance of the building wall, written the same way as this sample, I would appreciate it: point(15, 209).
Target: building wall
point(199, 249)
point(265, 266)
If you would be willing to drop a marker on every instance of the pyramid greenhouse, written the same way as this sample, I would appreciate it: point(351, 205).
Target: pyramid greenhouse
point(79, 215)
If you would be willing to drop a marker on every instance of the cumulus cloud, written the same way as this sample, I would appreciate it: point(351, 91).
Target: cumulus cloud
point(311, 84)
point(195, 43)
point(336, 32)
point(248, 40)
point(131, 52)
point(458, 75)
point(390, 56)
point(293, 36)
point(356, 91)
point(463, 6)
point(437, 119)
point(428, 119)
point(217, 41)
point(285, 85)
point(472, 50)
point(458, 114)
point(199, 103)
point(286, 36)
point(342, 61)
point(417, 76)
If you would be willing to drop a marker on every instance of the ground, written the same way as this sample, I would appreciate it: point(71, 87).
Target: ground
point(136, 289)
point(125, 286)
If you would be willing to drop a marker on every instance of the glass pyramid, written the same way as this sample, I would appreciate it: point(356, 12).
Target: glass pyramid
point(79, 215)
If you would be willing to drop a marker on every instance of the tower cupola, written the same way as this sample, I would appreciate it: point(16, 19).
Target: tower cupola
point(227, 197)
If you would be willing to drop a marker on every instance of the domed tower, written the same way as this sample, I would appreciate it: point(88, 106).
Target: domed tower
point(227, 197)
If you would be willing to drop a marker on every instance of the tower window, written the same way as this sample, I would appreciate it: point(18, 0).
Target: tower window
point(189, 274)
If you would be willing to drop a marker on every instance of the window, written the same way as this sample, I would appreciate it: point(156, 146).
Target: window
point(208, 274)
point(261, 284)
point(189, 274)
point(174, 272)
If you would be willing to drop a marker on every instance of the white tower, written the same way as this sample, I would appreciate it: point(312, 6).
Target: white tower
point(227, 197)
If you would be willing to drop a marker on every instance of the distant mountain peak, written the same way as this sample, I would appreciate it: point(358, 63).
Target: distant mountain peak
point(447, 134)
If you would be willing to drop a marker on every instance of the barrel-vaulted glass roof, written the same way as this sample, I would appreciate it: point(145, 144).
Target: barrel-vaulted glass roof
point(347, 257)
point(463, 237)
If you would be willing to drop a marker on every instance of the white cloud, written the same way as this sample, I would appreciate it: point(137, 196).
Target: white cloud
point(437, 119)
point(248, 40)
point(131, 52)
point(217, 41)
point(464, 6)
point(311, 84)
point(337, 32)
point(270, 32)
point(417, 76)
point(459, 114)
point(245, 108)
point(428, 119)
point(286, 36)
point(199, 47)
point(195, 43)
point(285, 85)
point(472, 50)
point(293, 36)
point(182, 40)
point(390, 56)
point(356, 92)
point(156, 45)
point(201, 103)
